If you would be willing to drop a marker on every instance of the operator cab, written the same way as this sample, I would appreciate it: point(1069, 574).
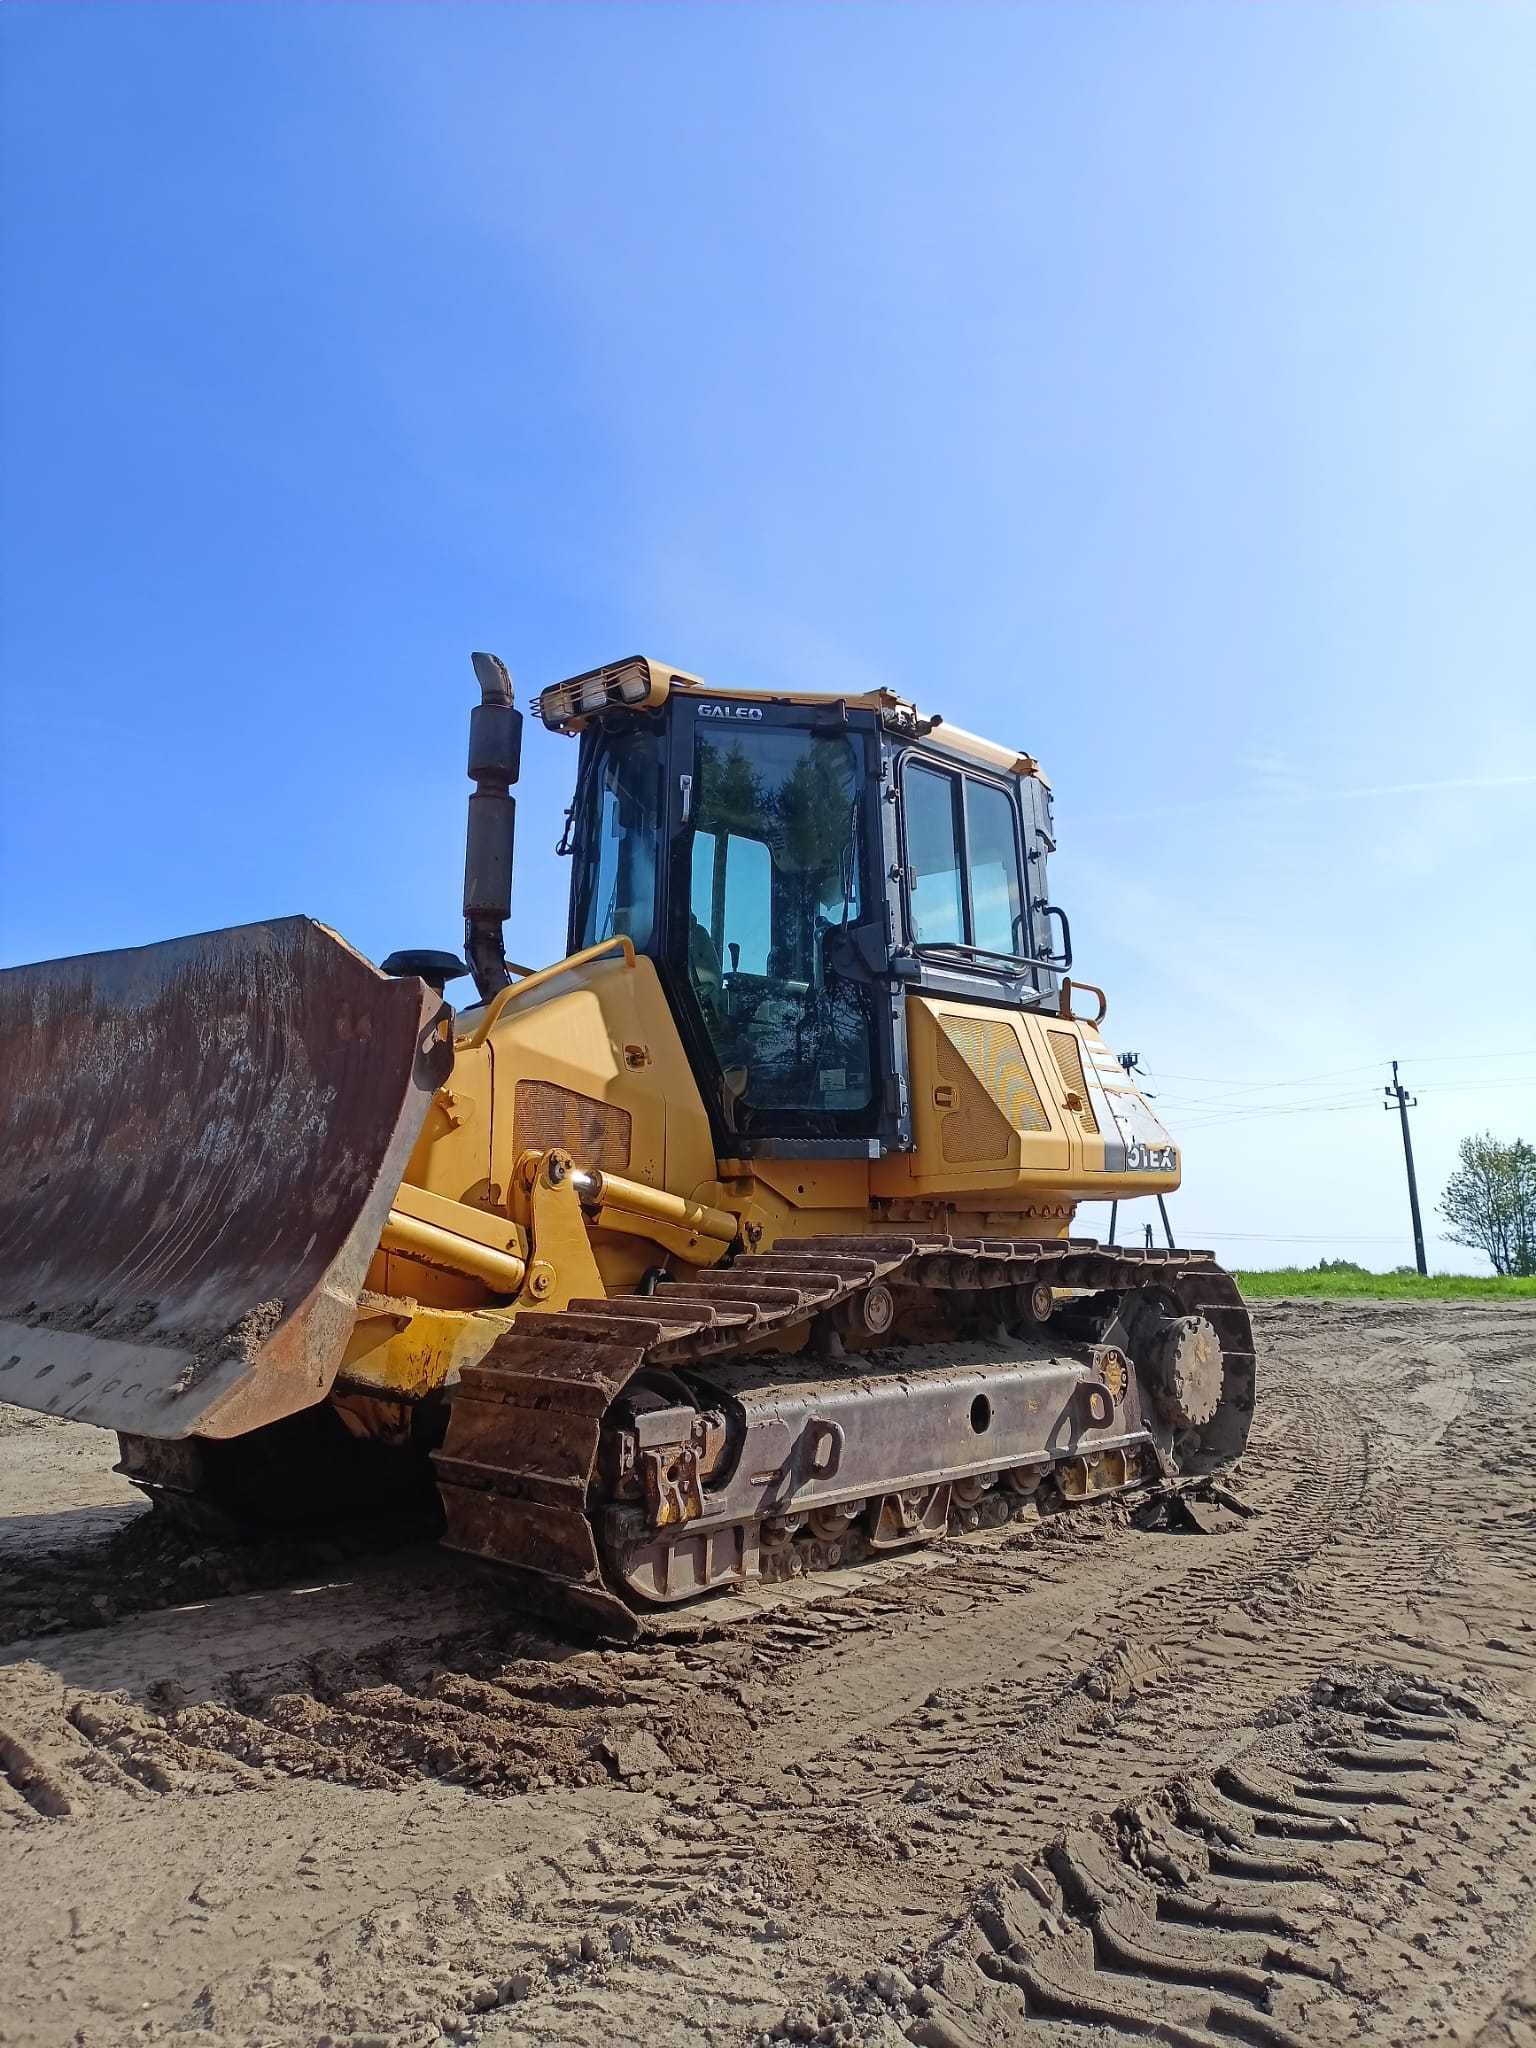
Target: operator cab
point(793, 865)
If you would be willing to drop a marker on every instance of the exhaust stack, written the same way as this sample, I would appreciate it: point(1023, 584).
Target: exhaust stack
point(495, 752)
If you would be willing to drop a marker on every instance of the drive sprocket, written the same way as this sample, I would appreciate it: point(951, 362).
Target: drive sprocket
point(1185, 1371)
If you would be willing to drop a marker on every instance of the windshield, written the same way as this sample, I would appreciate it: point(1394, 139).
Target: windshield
point(772, 881)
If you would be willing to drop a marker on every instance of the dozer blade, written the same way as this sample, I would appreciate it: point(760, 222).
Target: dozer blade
point(199, 1144)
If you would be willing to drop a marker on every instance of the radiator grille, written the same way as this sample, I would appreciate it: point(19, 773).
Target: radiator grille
point(594, 1133)
point(973, 1049)
point(1069, 1064)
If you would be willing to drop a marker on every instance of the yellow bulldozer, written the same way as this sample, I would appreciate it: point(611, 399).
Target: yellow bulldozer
point(736, 1244)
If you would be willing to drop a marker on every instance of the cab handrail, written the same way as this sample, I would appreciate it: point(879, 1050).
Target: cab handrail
point(503, 996)
point(1065, 1009)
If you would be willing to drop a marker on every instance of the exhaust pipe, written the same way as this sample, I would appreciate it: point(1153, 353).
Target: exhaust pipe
point(495, 752)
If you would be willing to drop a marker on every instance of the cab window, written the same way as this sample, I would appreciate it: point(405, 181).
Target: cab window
point(933, 856)
point(614, 887)
point(965, 882)
point(998, 924)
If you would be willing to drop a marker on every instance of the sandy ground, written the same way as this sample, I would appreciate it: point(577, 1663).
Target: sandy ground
point(1071, 1783)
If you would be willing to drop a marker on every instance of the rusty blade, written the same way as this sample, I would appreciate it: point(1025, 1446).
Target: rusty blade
point(199, 1143)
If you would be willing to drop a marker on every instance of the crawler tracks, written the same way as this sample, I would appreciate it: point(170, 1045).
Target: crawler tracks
point(859, 1422)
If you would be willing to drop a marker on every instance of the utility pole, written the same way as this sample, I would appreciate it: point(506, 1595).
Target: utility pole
point(1399, 1094)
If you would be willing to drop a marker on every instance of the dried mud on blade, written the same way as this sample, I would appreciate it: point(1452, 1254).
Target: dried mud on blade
point(199, 1144)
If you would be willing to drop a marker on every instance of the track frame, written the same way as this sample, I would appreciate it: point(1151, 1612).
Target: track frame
point(526, 1475)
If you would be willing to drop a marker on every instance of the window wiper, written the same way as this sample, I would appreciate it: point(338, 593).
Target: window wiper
point(848, 874)
point(579, 794)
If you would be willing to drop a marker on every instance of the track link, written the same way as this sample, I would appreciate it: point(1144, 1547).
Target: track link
point(523, 1472)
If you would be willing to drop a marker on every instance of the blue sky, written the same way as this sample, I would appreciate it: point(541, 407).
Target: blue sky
point(1148, 385)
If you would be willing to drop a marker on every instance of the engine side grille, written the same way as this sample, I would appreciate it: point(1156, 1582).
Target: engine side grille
point(594, 1133)
point(973, 1049)
point(1069, 1064)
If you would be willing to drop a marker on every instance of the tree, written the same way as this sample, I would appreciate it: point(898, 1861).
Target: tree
point(1490, 1202)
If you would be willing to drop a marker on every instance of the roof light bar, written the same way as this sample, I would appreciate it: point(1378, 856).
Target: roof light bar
point(633, 685)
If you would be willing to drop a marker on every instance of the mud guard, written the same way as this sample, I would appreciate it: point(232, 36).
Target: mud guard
point(199, 1144)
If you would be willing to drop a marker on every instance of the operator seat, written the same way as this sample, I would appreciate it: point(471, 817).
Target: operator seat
point(704, 966)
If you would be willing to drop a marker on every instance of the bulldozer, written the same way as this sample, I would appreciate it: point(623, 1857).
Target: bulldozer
point(735, 1245)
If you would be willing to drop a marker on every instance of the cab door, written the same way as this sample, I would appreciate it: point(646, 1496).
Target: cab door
point(769, 883)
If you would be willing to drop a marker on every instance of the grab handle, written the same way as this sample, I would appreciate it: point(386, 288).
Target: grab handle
point(1069, 988)
point(1063, 959)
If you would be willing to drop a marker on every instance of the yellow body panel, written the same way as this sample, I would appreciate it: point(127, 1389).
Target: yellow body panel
point(452, 1156)
point(401, 1348)
point(588, 1060)
point(1017, 1116)
point(1015, 1113)
point(604, 1031)
point(1012, 1106)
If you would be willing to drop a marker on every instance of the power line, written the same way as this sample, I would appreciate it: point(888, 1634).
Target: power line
point(1339, 1073)
point(1216, 1105)
point(1213, 1105)
point(1341, 1094)
point(1201, 1113)
point(1197, 1113)
point(1438, 1059)
point(1294, 1081)
point(1215, 1119)
point(1272, 1237)
point(1195, 1233)
point(1211, 1123)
